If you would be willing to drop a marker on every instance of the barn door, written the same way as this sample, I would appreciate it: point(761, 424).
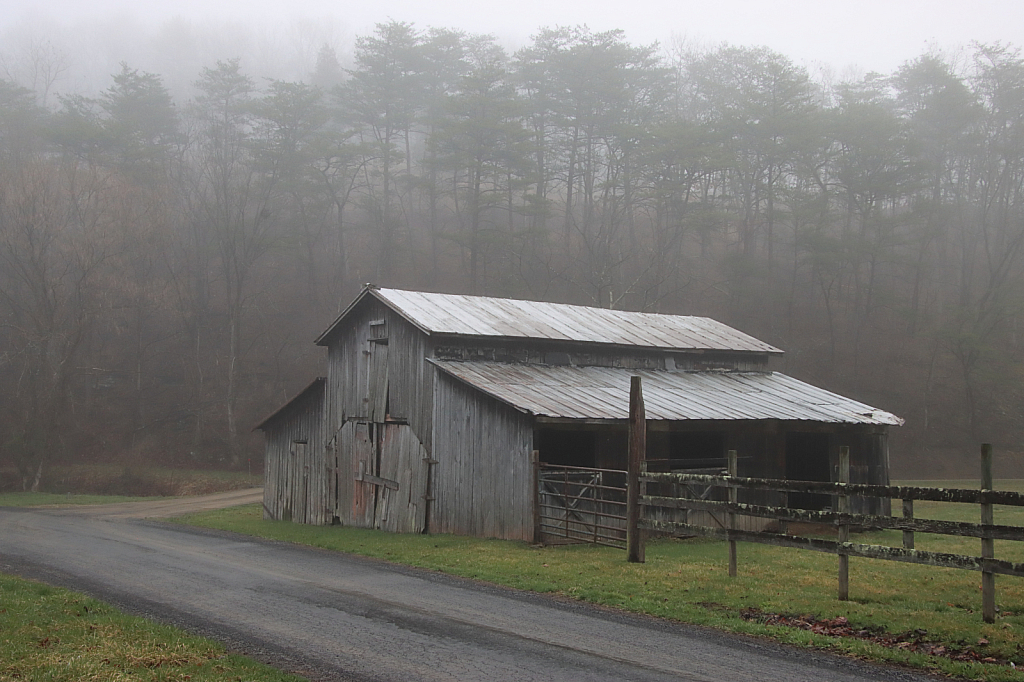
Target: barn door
point(364, 468)
point(373, 476)
point(387, 484)
point(402, 475)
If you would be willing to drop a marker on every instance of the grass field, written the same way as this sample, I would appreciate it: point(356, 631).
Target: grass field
point(133, 482)
point(53, 635)
point(919, 616)
point(47, 499)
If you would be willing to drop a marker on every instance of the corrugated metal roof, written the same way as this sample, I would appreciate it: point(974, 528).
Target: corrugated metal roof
point(482, 316)
point(603, 393)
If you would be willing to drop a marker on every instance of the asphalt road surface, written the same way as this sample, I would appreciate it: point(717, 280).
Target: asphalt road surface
point(331, 616)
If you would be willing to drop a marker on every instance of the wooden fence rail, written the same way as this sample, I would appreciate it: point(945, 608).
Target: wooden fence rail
point(841, 519)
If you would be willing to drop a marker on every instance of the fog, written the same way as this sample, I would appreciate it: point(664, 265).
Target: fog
point(189, 195)
point(871, 35)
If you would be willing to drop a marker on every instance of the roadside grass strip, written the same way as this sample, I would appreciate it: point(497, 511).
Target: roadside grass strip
point(919, 616)
point(49, 634)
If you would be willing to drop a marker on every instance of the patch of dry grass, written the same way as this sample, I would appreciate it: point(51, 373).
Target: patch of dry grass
point(114, 480)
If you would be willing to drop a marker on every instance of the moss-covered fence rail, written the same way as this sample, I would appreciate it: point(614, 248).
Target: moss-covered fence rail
point(985, 498)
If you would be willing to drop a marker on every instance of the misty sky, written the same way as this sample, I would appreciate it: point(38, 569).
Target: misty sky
point(871, 35)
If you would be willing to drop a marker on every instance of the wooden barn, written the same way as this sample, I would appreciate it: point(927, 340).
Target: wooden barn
point(433, 405)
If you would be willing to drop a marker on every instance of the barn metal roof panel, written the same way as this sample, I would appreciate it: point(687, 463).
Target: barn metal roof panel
point(503, 317)
point(483, 316)
point(603, 393)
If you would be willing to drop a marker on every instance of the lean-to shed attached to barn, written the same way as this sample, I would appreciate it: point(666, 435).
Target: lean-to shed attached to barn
point(295, 476)
point(434, 404)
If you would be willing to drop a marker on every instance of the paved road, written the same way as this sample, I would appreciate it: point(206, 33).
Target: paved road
point(338, 617)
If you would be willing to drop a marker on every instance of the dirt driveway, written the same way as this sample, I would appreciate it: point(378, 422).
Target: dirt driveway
point(166, 508)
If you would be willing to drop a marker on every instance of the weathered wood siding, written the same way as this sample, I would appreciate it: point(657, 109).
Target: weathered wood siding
point(380, 413)
point(869, 463)
point(349, 361)
point(375, 366)
point(296, 475)
point(356, 456)
point(383, 482)
point(550, 352)
point(483, 479)
point(401, 509)
point(412, 377)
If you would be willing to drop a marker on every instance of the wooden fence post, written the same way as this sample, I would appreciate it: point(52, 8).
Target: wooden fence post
point(988, 578)
point(908, 513)
point(844, 525)
point(565, 500)
point(535, 461)
point(733, 499)
point(637, 454)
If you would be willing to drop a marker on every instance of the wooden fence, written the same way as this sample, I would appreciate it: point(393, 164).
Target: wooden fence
point(842, 490)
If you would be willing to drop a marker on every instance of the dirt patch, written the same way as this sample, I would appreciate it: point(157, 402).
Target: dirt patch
point(166, 508)
point(916, 641)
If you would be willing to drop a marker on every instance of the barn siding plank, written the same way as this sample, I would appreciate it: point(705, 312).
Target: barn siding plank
point(480, 445)
point(294, 456)
point(411, 377)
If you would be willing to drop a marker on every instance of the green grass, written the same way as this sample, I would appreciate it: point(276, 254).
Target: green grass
point(132, 481)
point(50, 634)
point(948, 511)
point(687, 580)
point(42, 499)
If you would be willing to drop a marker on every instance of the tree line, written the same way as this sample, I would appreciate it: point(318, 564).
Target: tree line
point(165, 264)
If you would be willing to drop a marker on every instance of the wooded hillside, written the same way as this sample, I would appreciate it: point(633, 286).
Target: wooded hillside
point(165, 265)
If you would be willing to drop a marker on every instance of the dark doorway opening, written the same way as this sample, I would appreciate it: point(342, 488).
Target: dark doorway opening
point(807, 460)
point(697, 449)
point(567, 448)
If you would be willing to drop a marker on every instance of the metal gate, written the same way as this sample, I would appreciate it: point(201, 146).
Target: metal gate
point(579, 504)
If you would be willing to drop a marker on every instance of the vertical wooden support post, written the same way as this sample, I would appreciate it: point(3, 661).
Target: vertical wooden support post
point(637, 454)
point(733, 499)
point(988, 578)
point(844, 524)
point(565, 498)
point(908, 513)
point(535, 461)
point(783, 502)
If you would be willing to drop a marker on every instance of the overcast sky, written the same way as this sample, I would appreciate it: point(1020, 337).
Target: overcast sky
point(873, 35)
